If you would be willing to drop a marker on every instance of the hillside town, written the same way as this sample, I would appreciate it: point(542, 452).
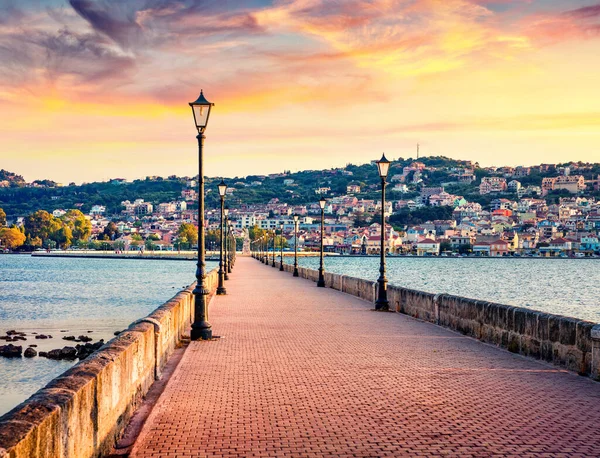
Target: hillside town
point(560, 217)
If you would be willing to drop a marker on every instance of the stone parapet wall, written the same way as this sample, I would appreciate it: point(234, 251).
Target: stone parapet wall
point(81, 413)
point(566, 342)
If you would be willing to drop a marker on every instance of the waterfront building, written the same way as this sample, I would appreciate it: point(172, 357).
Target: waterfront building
point(428, 247)
point(499, 247)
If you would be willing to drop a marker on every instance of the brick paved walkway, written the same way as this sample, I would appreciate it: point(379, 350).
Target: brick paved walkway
point(309, 372)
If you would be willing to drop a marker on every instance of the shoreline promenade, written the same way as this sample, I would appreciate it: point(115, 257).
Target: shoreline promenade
point(301, 371)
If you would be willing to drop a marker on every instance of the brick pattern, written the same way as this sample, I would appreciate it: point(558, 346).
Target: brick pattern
point(302, 371)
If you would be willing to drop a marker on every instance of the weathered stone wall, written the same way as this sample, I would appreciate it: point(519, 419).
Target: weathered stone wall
point(566, 342)
point(81, 413)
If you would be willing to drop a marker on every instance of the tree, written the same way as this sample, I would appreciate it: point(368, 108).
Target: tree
point(445, 246)
point(278, 240)
point(255, 232)
point(421, 215)
point(34, 242)
point(80, 226)
point(361, 219)
point(110, 232)
point(63, 237)
point(12, 237)
point(43, 225)
point(212, 239)
point(2, 218)
point(189, 232)
point(181, 241)
point(465, 249)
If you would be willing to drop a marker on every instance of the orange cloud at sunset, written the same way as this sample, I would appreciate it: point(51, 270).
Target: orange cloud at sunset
point(92, 89)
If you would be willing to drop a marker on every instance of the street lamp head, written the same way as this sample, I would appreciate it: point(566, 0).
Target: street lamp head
point(222, 188)
point(384, 166)
point(201, 109)
point(322, 203)
point(296, 217)
point(226, 211)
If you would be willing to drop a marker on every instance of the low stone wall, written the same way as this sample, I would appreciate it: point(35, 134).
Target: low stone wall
point(81, 413)
point(566, 342)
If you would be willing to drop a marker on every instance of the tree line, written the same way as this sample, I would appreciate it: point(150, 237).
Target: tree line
point(44, 230)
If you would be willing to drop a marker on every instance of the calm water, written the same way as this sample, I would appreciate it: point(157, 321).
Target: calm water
point(569, 287)
point(51, 295)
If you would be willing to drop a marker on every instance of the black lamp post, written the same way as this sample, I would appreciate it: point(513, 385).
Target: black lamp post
point(261, 245)
point(201, 329)
point(274, 236)
point(296, 246)
point(221, 287)
point(281, 247)
point(226, 270)
point(321, 281)
point(382, 301)
point(232, 249)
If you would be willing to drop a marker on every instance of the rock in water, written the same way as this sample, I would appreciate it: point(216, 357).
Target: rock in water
point(68, 353)
point(11, 351)
point(30, 353)
point(54, 354)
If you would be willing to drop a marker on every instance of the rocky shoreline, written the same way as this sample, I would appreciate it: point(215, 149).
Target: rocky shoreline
point(68, 353)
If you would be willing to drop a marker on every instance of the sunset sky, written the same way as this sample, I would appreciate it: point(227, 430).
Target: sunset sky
point(94, 89)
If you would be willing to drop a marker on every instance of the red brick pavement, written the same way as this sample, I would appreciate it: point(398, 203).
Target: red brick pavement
point(302, 371)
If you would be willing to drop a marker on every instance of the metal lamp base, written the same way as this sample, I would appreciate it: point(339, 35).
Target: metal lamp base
point(201, 331)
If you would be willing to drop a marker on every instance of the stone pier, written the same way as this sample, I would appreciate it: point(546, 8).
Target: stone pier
point(300, 371)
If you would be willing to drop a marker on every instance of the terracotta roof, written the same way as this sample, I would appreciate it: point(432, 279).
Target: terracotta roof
point(427, 241)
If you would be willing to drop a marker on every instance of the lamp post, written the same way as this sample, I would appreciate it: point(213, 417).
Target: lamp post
point(274, 236)
point(232, 249)
point(221, 287)
point(226, 270)
point(201, 328)
point(321, 281)
point(265, 243)
point(382, 301)
point(281, 247)
point(261, 247)
point(296, 246)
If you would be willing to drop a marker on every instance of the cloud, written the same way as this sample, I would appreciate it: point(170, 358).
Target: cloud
point(586, 12)
point(10, 14)
point(111, 19)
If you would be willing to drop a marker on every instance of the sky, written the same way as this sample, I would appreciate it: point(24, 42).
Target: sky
point(99, 89)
